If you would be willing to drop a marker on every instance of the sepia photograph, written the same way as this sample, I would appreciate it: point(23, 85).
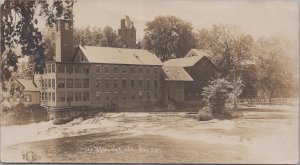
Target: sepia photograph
point(149, 81)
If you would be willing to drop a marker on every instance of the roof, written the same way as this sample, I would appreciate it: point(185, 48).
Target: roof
point(28, 85)
point(176, 73)
point(110, 55)
point(190, 59)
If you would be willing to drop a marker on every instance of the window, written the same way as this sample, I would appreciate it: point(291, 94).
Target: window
point(60, 83)
point(97, 83)
point(132, 83)
point(115, 83)
point(53, 68)
point(42, 94)
point(46, 68)
point(107, 94)
point(155, 84)
point(69, 83)
point(78, 96)
point(148, 84)
point(140, 70)
point(49, 68)
point(53, 83)
point(140, 83)
point(155, 95)
point(61, 96)
point(78, 68)
point(148, 95)
point(86, 68)
point(27, 98)
point(124, 95)
point(46, 83)
point(98, 69)
point(124, 69)
point(107, 83)
point(98, 95)
point(61, 68)
point(78, 83)
point(42, 83)
point(116, 95)
point(106, 69)
point(124, 83)
point(69, 68)
point(148, 70)
point(133, 95)
point(85, 83)
point(69, 96)
point(49, 83)
point(49, 97)
point(85, 96)
point(53, 96)
point(155, 70)
point(141, 95)
point(115, 69)
point(46, 96)
point(132, 69)
point(67, 26)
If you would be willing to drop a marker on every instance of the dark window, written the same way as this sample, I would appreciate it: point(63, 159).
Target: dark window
point(107, 95)
point(86, 68)
point(115, 69)
point(61, 68)
point(69, 83)
point(155, 94)
point(107, 83)
point(69, 96)
point(124, 83)
point(78, 68)
point(78, 96)
point(115, 83)
point(98, 95)
point(148, 84)
point(46, 83)
point(148, 95)
point(98, 69)
point(155, 70)
point(61, 96)
point(46, 96)
point(148, 70)
point(42, 83)
point(85, 96)
point(60, 83)
point(132, 69)
point(132, 83)
point(124, 69)
point(53, 68)
point(124, 95)
point(53, 83)
point(98, 83)
point(49, 83)
point(155, 84)
point(106, 69)
point(53, 96)
point(69, 68)
point(78, 83)
point(140, 83)
point(85, 83)
point(49, 68)
point(140, 70)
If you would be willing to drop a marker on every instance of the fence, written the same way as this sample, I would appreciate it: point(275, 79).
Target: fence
point(264, 101)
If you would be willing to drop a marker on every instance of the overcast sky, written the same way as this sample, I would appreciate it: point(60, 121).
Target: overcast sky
point(255, 17)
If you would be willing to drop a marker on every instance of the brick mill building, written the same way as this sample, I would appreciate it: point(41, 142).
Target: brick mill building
point(102, 78)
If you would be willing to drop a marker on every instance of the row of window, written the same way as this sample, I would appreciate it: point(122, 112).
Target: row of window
point(65, 83)
point(125, 69)
point(126, 83)
point(124, 95)
point(65, 96)
point(67, 68)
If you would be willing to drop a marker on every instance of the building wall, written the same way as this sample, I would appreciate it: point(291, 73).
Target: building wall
point(31, 98)
point(202, 72)
point(107, 87)
point(64, 47)
point(176, 91)
point(128, 35)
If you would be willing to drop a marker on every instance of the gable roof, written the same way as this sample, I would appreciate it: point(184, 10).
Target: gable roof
point(28, 85)
point(190, 59)
point(176, 73)
point(119, 56)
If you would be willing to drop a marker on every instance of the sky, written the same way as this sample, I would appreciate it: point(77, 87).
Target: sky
point(258, 18)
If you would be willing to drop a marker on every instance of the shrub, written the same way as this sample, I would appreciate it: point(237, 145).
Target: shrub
point(221, 93)
point(204, 114)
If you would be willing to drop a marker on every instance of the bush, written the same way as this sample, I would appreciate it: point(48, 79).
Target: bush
point(221, 93)
point(204, 114)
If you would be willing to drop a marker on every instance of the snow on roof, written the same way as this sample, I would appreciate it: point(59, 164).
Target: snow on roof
point(176, 73)
point(28, 85)
point(190, 59)
point(119, 56)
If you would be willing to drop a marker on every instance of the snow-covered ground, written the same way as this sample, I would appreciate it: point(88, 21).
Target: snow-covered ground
point(270, 133)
